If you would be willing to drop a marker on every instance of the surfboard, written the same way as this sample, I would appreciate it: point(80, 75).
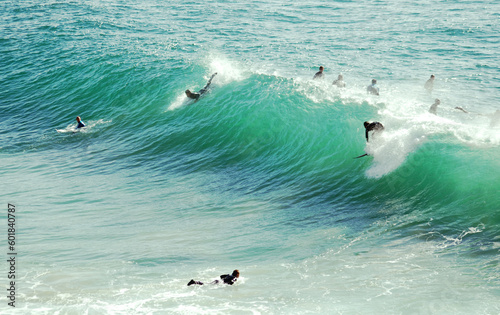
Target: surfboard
point(67, 130)
point(361, 156)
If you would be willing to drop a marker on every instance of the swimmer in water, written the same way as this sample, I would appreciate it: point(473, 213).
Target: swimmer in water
point(433, 109)
point(227, 279)
point(319, 74)
point(339, 82)
point(196, 96)
point(373, 88)
point(429, 85)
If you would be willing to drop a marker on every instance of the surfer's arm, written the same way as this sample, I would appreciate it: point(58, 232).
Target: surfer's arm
point(463, 110)
point(208, 83)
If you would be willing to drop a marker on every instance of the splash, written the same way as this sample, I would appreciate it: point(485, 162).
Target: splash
point(71, 128)
point(390, 149)
point(409, 124)
point(180, 101)
point(227, 70)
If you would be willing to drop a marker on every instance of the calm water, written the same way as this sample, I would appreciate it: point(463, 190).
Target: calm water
point(258, 175)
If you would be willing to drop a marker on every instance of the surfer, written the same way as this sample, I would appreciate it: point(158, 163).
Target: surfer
point(433, 109)
point(373, 88)
point(374, 126)
point(319, 74)
point(80, 122)
point(429, 85)
point(227, 279)
point(196, 96)
point(339, 82)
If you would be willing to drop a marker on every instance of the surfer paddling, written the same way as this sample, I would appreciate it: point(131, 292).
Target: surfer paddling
point(227, 279)
point(196, 96)
point(80, 123)
point(79, 126)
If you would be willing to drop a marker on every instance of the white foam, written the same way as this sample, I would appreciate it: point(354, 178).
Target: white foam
point(180, 101)
point(390, 149)
point(71, 128)
point(227, 72)
point(408, 125)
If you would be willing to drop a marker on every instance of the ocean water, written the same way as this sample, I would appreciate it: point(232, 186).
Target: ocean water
point(259, 174)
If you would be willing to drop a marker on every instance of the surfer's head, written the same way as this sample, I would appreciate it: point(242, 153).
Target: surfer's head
point(437, 101)
point(366, 124)
point(190, 94)
point(374, 81)
point(78, 118)
point(236, 273)
point(321, 68)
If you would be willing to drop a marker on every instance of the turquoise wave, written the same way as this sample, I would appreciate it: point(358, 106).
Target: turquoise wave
point(270, 132)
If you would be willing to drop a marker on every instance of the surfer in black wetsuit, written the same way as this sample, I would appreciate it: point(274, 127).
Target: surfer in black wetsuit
point(80, 122)
point(227, 279)
point(319, 74)
point(196, 96)
point(374, 126)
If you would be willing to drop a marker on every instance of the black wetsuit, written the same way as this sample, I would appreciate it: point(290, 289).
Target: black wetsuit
point(80, 124)
point(228, 279)
point(319, 75)
point(374, 126)
point(202, 91)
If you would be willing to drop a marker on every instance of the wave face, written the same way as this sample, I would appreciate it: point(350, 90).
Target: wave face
point(260, 173)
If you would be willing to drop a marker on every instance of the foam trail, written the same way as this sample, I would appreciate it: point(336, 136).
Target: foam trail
point(88, 126)
point(180, 101)
point(227, 71)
